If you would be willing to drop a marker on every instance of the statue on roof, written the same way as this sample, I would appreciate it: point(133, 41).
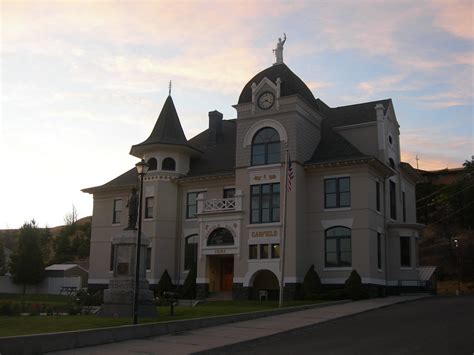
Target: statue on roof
point(279, 50)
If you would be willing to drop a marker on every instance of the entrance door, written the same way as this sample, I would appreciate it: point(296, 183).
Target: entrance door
point(227, 274)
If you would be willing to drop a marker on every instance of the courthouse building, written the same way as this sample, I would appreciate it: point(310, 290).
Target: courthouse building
point(216, 201)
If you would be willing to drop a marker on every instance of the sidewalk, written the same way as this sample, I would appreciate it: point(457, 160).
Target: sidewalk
point(224, 335)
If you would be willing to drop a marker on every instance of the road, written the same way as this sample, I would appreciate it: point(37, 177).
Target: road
point(438, 325)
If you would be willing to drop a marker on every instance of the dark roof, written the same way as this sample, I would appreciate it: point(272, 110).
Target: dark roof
point(128, 178)
point(291, 84)
point(218, 157)
point(352, 114)
point(168, 128)
point(333, 147)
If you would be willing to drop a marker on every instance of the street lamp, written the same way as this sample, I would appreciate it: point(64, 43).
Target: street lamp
point(142, 168)
point(456, 246)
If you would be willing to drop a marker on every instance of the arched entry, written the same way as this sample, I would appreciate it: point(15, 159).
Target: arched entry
point(220, 266)
point(265, 280)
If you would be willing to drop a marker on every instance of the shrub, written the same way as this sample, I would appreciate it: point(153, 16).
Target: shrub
point(311, 284)
point(164, 285)
point(353, 287)
point(8, 308)
point(189, 287)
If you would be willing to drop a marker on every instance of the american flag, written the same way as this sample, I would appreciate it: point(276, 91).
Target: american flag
point(290, 174)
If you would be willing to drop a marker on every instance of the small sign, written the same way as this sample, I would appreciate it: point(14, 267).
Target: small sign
point(264, 233)
point(271, 176)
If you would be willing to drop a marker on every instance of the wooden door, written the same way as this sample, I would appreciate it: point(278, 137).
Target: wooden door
point(227, 274)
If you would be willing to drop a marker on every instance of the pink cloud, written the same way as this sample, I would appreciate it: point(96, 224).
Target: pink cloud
point(455, 16)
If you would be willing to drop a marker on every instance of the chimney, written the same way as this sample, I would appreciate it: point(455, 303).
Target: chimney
point(215, 126)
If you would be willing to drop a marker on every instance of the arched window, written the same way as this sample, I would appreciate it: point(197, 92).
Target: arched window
point(168, 164)
point(220, 236)
point(266, 147)
point(190, 251)
point(338, 247)
point(153, 164)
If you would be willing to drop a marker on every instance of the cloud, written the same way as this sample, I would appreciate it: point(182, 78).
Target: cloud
point(455, 16)
point(435, 148)
point(316, 85)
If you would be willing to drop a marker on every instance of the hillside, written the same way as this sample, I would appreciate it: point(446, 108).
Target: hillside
point(65, 243)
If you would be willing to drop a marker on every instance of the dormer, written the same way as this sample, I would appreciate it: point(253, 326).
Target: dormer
point(166, 149)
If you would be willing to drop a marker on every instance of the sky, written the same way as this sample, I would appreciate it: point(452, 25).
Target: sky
point(82, 81)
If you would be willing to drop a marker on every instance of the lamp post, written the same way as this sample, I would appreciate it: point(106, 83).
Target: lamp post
point(142, 168)
point(456, 248)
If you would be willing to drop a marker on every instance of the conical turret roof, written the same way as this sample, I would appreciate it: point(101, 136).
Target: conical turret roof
point(167, 131)
point(168, 128)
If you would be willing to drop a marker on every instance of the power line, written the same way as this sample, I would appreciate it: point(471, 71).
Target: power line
point(444, 198)
point(452, 214)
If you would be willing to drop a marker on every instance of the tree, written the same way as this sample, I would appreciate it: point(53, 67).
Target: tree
point(353, 287)
point(165, 284)
point(311, 284)
point(189, 287)
point(2, 258)
point(26, 262)
point(71, 217)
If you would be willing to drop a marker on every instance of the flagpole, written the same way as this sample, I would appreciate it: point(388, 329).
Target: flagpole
point(283, 237)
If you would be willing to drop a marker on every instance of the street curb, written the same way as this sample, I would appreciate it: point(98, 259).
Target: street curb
point(244, 345)
point(50, 342)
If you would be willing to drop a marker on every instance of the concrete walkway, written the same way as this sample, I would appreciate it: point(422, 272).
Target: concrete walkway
point(224, 335)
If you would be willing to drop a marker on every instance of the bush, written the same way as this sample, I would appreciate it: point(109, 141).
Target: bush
point(189, 287)
point(164, 285)
point(353, 287)
point(311, 284)
point(85, 298)
point(333, 295)
point(8, 308)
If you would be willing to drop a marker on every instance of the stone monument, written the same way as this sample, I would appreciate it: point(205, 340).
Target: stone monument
point(118, 298)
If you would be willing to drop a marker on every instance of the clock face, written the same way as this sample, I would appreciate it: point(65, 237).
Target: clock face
point(266, 100)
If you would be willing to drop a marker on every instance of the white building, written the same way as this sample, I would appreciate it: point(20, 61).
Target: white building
point(216, 200)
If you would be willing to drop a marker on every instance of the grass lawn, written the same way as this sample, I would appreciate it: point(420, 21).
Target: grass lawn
point(10, 326)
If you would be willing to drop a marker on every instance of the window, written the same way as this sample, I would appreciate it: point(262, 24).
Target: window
point(229, 193)
point(337, 192)
point(148, 258)
point(149, 203)
point(117, 211)
point(220, 236)
point(253, 251)
point(190, 251)
point(168, 164)
point(266, 147)
point(112, 257)
point(390, 139)
point(393, 200)
point(377, 195)
point(404, 207)
point(379, 251)
point(338, 247)
point(191, 204)
point(264, 251)
point(405, 252)
point(275, 251)
point(152, 164)
point(265, 203)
